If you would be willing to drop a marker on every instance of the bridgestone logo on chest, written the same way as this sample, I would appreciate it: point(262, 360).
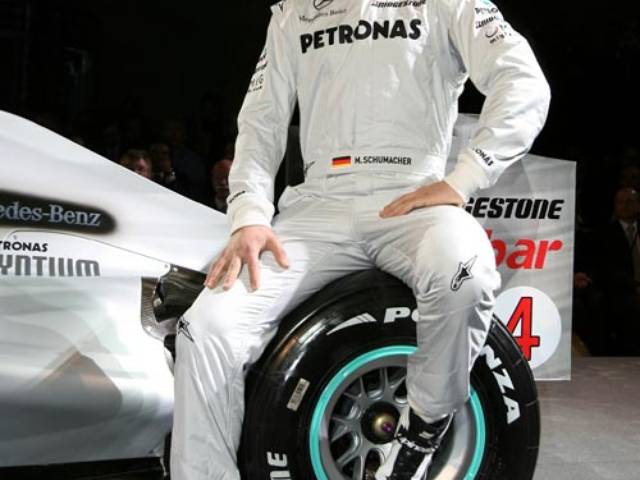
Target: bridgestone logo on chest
point(343, 34)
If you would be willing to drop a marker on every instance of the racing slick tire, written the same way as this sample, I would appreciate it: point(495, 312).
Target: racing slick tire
point(324, 399)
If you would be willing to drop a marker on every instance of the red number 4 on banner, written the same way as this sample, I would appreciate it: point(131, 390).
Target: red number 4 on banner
point(523, 316)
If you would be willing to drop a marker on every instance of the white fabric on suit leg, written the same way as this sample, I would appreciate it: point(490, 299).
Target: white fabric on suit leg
point(330, 228)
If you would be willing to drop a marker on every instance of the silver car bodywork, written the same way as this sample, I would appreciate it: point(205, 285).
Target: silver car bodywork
point(81, 377)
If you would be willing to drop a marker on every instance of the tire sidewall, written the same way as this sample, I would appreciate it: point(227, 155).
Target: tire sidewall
point(276, 432)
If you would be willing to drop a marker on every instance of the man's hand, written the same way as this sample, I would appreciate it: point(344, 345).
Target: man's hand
point(244, 247)
point(439, 193)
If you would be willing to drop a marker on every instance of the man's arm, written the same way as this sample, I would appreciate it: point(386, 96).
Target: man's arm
point(262, 126)
point(262, 137)
point(502, 66)
point(504, 69)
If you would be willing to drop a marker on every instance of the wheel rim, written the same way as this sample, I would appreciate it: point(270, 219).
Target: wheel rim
point(360, 404)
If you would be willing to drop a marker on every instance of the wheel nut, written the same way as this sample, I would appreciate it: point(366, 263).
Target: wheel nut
point(384, 426)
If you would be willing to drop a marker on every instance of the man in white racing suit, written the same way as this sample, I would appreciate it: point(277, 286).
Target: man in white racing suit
point(377, 84)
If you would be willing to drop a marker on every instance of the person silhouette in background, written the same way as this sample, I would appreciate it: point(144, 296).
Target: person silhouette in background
point(220, 183)
point(138, 161)
point(189, 167)
point(619, 273)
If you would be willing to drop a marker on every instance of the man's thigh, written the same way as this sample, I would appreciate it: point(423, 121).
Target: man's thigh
point(428, 246)
point(247, 319)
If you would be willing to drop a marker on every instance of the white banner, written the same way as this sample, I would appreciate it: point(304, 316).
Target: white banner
point(529, 218)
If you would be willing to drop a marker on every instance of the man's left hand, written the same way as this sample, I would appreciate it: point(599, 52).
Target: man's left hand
point(439, 193)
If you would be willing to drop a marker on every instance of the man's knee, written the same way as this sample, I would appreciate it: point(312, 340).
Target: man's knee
point(469, 283)
point(213, 316)
point(455, 265)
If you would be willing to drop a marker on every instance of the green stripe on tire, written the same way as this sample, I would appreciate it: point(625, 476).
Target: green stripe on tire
point(355, 364)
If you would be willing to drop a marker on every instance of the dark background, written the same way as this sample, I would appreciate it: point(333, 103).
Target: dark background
point(86, 62)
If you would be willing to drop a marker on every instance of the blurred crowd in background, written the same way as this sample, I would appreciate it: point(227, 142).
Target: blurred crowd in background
point(189, 155)
point(606, 306)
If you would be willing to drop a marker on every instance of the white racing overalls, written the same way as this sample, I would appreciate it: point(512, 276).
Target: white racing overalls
point(377, 84)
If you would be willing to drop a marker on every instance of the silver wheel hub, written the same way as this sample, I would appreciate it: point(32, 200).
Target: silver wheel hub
point(361, 419)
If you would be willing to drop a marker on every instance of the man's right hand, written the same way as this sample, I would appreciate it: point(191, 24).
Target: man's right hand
point(244, 247)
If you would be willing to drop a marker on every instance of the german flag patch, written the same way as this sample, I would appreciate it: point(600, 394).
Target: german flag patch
point(341, 162)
